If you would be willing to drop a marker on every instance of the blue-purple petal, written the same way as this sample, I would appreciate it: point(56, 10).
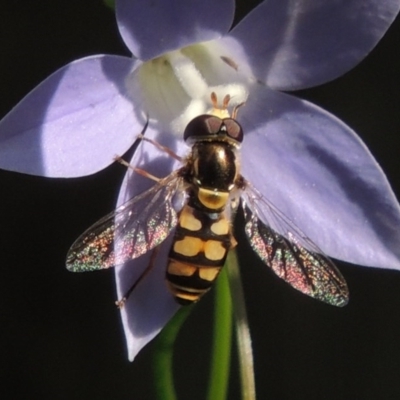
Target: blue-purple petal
point(73, 123)
point(152, 28)
point(151, 305)
point(297, 44)
point(318, 172)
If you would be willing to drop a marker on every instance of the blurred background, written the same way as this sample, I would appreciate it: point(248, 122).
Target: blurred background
point(60, 333)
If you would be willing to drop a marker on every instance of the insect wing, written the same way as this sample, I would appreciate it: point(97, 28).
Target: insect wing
point(134, 228)
point(290, 254)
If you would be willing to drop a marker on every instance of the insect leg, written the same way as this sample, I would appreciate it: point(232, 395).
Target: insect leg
point(161, 147)
point(137, 170)
point(141, 171)
point(120, 303)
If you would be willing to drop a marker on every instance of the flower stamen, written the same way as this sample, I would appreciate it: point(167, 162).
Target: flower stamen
point(176, 87)
point(188, 75)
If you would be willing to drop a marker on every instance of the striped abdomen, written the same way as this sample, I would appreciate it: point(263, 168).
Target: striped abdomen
point(201, 243)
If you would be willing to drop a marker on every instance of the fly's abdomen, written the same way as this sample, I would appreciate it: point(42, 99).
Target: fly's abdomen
point(201, 243)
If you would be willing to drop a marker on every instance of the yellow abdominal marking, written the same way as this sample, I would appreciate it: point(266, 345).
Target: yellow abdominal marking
point(184, 293)
point(221, 227)
point(191, 246)
point(188, 221)
point(214, 250)
point(187, 290)
point(180, 269)
point(209, 273)
point(188, 246)
point(212, 199)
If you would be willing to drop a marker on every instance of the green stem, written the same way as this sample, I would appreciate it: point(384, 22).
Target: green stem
point(220, 363)
point(110, 4)
point(222, 339)
point(163, 356)
point(245, 351)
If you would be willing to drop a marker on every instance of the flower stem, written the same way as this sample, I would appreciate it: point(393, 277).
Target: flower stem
point(163, 356)
point(245, 351)
point(110, 4)
point(222, 339)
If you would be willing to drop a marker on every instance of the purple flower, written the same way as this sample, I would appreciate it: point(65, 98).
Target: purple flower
point(304, 160)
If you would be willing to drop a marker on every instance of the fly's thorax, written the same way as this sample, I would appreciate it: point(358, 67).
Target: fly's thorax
point(212, 173)
point(215, 165)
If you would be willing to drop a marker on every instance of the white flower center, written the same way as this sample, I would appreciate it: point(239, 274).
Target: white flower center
point(176, 87)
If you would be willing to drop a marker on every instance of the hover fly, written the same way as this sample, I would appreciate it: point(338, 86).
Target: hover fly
point(213, 190)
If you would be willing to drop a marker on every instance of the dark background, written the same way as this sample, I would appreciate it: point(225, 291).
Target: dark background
point(60, 333)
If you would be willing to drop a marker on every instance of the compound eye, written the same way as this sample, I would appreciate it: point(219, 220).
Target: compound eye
point(201, 126)
point(233, 129)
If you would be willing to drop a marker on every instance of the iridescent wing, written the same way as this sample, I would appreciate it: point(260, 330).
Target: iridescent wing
point(290, 254)
point(133, 229)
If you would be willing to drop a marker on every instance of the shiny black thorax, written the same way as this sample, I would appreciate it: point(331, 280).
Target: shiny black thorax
point(212, 165)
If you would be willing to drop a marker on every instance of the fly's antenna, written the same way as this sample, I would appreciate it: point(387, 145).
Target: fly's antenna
point(236, 109)
point(222, 111)
point(225, 101)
